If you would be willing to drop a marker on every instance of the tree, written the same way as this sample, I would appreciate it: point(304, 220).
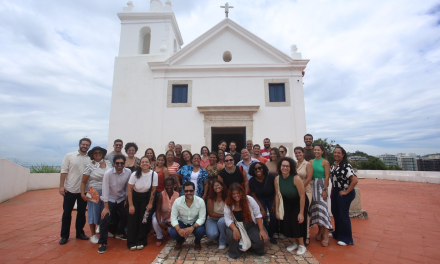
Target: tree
point(394, 167)
point(328, 146)
point(373, 163)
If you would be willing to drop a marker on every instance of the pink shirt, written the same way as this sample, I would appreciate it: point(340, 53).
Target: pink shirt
point(203, 164)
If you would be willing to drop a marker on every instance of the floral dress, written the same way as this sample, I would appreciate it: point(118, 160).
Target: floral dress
point(186, 171)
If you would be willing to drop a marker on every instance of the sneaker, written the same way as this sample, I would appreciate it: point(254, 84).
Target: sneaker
point(330, 235)
point(123, 237)
point(139, 247)
point(301, 250)
point(221, 247)
point(97, 230)
point(110, 235)
point(275, 235)
point(342, 243)
point(133, 248)
point(94, 239)
point(102, 249)
point(281, 236)
point(292, 247)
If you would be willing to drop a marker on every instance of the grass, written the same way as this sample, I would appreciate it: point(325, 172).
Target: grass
point(44, 168)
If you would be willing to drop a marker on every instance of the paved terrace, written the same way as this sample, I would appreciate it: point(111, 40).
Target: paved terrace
point(403, 228)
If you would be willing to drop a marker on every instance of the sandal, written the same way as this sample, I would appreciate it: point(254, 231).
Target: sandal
point(324, 242)
point(318, 237)
point(159, 242)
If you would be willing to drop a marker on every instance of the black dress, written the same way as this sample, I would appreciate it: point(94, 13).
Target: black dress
point(230, 178)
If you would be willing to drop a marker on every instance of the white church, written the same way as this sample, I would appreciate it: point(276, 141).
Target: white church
point(226, 84)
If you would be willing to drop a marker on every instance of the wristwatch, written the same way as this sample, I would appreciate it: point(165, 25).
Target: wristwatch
point(325, 189)
point(194, 225)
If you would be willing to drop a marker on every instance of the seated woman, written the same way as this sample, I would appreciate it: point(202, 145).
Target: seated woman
point(290, 191)
point(215, 224)
point(161, 218)
point(262, 189)
point(141, 193)
point(245, 209)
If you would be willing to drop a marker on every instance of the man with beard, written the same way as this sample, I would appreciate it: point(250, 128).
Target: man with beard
point(257, 154)
point(308, 150)
point(265, 152)
point(178, 151)
point(233, 152)
point(249, 146)
point(72, 169)
point(188, 215)
point(117, 150)
point(114, 193)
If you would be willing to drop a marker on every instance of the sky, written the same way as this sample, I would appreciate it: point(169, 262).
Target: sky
point(372, 83)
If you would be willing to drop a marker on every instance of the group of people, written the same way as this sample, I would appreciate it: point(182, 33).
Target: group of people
point(231, 197)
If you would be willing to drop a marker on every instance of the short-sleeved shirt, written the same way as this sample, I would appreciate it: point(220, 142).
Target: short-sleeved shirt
point(265, 189)
point(143, 184)
point(246, 167)
point(74, 165)
point(237, 157)
point(265, 152)
point(308, 154)
point(262, 159)
point(230, 178)
point(110, 156)
point(96, 174)
point(341, 175)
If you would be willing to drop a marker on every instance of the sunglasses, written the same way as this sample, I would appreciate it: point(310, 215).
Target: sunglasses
point(188, 191)
point(119, 163)
point(282, 151)
point(228, 160)
point(118, 145)
point(258, 168)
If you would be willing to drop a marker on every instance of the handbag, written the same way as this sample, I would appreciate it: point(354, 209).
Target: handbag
point(245, 242)
point(280, 198)
point(146, 214)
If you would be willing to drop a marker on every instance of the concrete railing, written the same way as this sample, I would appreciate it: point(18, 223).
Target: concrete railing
point(404, 176)
point(16, 179)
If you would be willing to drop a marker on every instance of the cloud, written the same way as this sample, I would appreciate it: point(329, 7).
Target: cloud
point(371, 83)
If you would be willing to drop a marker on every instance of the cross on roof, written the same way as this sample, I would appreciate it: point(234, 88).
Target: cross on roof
point(226, 7)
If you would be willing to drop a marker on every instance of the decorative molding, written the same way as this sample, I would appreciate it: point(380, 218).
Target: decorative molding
point(286, 90)
point(170, 93)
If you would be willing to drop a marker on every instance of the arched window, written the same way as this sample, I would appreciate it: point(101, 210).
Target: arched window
point(145, 40)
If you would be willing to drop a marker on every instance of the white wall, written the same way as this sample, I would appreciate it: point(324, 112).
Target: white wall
point(15, 180)
point(405, 176)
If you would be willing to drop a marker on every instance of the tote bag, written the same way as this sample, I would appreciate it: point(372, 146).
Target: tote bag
point(245, 241)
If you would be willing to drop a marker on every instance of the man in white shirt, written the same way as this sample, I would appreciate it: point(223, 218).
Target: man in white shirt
point(72, 169)
point(114, 194)
point(188, 216)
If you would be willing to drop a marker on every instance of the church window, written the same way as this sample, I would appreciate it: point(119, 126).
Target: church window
point(145, 40)
point(277, 92)
point(180, 94)
point(227, 56)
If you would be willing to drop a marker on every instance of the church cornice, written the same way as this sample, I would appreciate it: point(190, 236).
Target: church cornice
point(163, 66)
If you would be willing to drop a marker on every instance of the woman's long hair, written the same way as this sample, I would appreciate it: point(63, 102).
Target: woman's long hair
point(213, 195)
point(164, 158)
point(324, 153)
point(344, 160)
point(139, 169)
point(244, 203)
point(182, 161)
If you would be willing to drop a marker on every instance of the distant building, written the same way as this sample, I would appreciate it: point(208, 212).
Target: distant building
point(407, 162)
point(431, 156)
point(389, 159)
point(357, 158)
point(428, 164)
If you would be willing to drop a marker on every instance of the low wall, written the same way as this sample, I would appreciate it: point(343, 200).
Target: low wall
point(40, 181)
point(16, 179)
point(404, 176)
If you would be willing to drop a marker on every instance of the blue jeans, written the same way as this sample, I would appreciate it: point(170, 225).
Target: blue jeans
point(214, 228)
point(340, 211)
point(267, 204)
point(199, 232)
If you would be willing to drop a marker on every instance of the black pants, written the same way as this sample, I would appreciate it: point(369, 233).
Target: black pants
point(273, 223)
point(136, 231)
point(253, 231)
point(103, 227)
point(68, 204)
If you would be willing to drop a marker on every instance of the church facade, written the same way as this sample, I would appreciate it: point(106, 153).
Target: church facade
point(226, 84)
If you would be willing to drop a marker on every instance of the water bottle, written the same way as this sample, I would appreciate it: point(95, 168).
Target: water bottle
point(144, 219)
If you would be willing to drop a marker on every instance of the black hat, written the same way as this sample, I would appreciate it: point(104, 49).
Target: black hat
point(90, 153)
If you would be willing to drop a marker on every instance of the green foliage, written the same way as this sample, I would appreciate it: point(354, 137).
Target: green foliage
point(373, 163)
point(44, 168)
point(328, 146)
point(394, 167)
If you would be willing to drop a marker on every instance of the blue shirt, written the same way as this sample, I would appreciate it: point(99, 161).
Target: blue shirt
point(186, 171)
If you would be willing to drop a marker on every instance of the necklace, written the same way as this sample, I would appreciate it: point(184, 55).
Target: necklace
point(235, 167)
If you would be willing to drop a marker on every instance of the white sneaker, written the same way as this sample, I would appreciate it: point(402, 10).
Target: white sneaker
point(292, 247)
point(301, 250)
point(97, 230)
point(222, 247)
point(330, 235)
point(275, 235)
point(282, 236)
point(133, 248)
point(342, 243)
point(139, 247)
point(94, 239)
